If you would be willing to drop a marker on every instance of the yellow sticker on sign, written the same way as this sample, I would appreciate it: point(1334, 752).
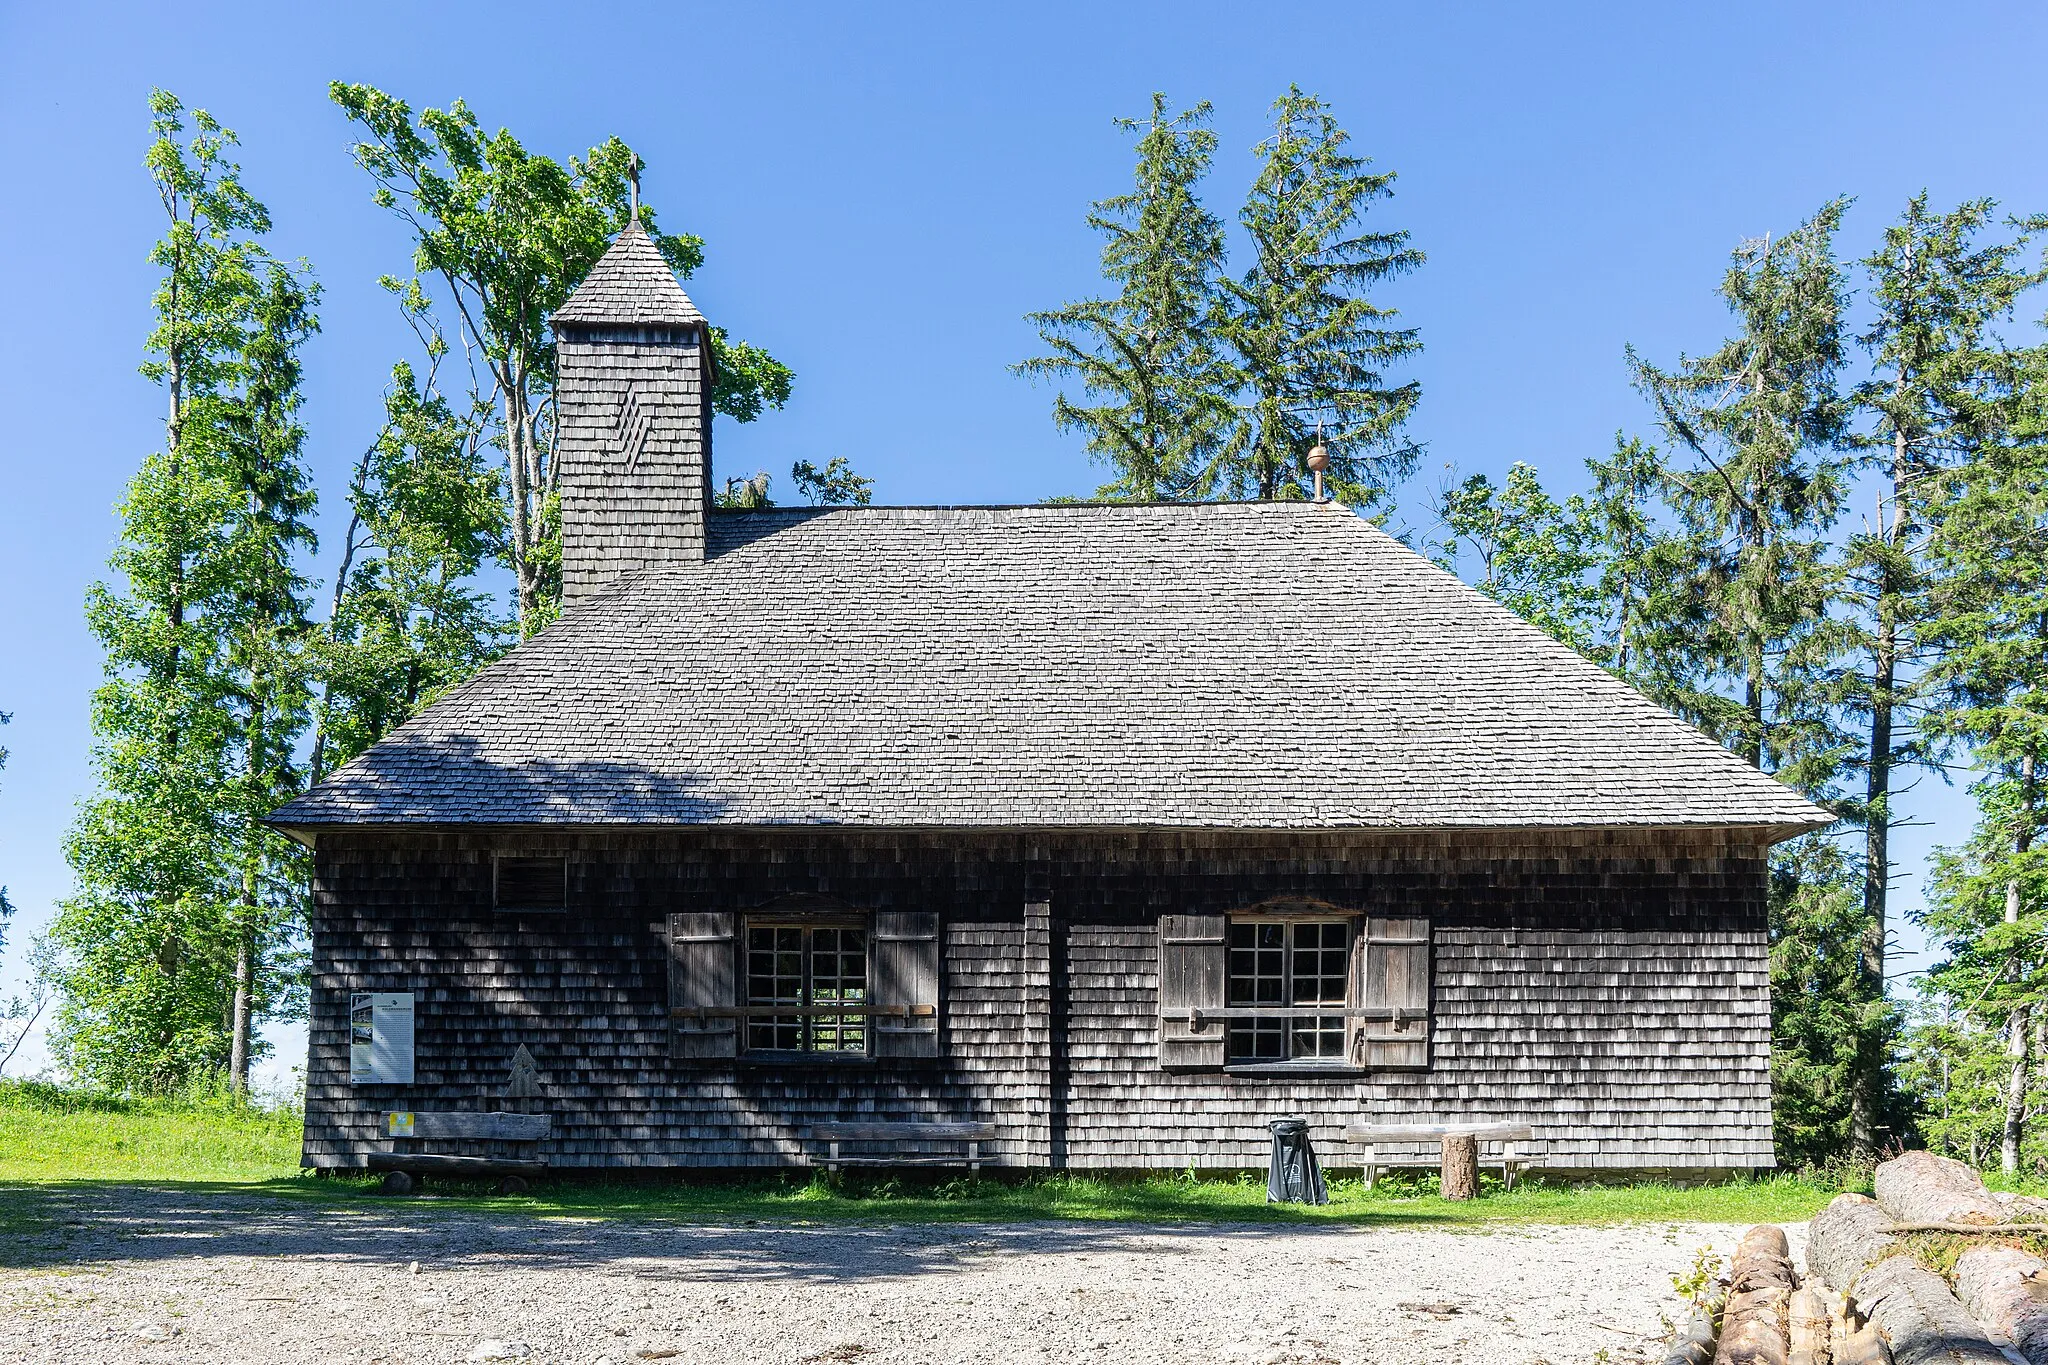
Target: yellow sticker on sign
point(398, 1125)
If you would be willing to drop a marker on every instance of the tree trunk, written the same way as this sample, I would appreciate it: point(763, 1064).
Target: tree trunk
point(1865, 1087)
point(1844, 1237)
point(1923, 1322)
point(1808, 1319)
point(1921, 1187)
point(2003, 1288)
point(1864, 1346)
point(2017, 1049)
point(238, 1055)
point(1460, 1166)
point(1695, 1343)
point(2018, 1071)
point(1754, 1322)
point(1864, 1092)
point(522, 522)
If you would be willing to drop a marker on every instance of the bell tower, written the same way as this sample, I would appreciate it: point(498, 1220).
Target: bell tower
point(633, 401)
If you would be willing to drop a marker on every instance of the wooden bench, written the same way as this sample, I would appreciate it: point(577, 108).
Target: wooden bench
point(971, 1134)
point(408, 1163)
point(1377, 1135)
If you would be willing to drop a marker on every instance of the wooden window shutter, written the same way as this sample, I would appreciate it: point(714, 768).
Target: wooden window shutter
point(703, 977)
point(1193, 958)
point(905, 952)
point(1390, 971)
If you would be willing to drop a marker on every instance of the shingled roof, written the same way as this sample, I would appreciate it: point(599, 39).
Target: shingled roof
point(1277, 665)
point(630, 286)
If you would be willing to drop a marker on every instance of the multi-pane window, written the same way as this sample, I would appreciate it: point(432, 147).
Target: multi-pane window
point(804, 968)
point(1285, 966)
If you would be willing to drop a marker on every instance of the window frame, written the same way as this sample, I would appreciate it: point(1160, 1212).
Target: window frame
point(807, 924)
point(1352, 924)
point(498, 905)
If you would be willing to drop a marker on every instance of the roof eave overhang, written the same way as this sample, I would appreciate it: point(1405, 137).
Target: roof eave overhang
point(1763, 832)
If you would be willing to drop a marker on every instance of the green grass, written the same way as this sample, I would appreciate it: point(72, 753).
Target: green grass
point(52, 1138)
point(47, 1133)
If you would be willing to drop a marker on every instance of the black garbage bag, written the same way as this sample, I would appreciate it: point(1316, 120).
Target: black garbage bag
point(1294, 1177)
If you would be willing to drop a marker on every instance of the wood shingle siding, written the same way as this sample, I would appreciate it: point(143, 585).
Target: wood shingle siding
point(1609, 988)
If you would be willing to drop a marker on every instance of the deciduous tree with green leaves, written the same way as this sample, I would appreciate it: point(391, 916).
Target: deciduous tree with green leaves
point(1524, 549)
point(194, 726)
point(1157, 403)
point(409, 618)
point(834, 485)
point(508, 234)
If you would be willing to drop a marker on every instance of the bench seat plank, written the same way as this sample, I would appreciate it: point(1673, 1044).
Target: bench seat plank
point(899, 1161)
point(452, 1165)
point(904, 1132)
point(1432, 1132)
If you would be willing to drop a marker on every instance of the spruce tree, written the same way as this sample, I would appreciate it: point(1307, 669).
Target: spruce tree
point(1940, 392)
point(1988, 626)
point(1756, 649)
point(1156, 392)
point(1764, 419)
point(1312, 352)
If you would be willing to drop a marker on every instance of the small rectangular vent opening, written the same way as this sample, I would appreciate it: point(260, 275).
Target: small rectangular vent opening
point(534, 884)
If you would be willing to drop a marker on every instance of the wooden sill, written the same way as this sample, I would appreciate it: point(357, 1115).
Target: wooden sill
point(1297, 1070)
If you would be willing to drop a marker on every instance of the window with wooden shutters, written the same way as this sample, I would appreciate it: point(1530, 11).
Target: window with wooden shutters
point(1288, 989)
point(1192, 960)
point(906, 983)
point(1390, 1024)
point(703, 988)
point(807, 988)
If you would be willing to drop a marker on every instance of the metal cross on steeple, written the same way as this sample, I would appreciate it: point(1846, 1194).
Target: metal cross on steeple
point(633, 175)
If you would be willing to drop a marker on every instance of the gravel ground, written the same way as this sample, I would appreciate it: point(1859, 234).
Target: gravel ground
point(149, 1276)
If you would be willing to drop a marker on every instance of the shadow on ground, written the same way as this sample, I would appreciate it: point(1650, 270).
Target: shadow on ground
point(69, 1224)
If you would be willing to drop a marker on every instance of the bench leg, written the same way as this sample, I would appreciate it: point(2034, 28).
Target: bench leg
point(832, 1160)
point(1372, 1169)
point(974, 1158)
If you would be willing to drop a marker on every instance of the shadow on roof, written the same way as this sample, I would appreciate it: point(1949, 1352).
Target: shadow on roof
point(470, 786)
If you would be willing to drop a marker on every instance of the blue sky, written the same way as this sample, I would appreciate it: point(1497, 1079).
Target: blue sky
point(886, 190)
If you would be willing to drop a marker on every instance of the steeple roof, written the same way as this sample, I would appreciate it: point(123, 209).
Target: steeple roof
point(631, 285)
